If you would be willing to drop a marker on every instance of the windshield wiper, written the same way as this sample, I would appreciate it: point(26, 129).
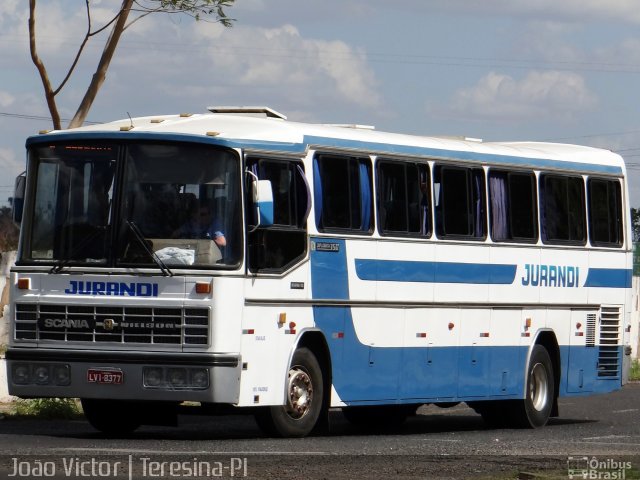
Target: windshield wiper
point(57, 268)
point(138, 234)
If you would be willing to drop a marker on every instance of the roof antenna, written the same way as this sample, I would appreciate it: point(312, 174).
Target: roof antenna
point(130, 127)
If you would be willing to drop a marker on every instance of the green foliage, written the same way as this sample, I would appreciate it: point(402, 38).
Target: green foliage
point(635, 224)
point(196, 8)
point(634, 374)
point(47, 408)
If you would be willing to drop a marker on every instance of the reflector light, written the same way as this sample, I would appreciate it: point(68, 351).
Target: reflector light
point(203, 287)
point(421, 335)
point(451, 325)
point(282, 318)
point(24, 284)
point(527, 322)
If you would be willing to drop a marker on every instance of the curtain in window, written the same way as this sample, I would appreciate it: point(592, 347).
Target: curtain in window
point(498, 194)
point(306, 195)
point(317, 190)
point(424, 202)
point(365, 197)
point(479, 211)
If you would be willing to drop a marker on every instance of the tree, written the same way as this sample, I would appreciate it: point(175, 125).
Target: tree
point(8, 232)
point(119, 23)
point(635, 223)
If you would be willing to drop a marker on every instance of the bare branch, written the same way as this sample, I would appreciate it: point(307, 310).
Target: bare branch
point(118, 24)
point(80, 49)
point(103, 65)
point(48, 91)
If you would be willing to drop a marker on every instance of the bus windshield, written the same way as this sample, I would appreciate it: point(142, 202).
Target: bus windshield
point(178, 205)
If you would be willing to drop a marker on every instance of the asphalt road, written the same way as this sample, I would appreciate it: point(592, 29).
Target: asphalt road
point(596, 434)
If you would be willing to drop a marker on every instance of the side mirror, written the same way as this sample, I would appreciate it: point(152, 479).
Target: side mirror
point(263, 201)
point(18, 197)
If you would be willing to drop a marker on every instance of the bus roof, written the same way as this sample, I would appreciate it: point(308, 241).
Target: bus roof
point(274, 133)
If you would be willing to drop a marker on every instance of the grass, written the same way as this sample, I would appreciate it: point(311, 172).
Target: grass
point(47, 408)
point(634, 374)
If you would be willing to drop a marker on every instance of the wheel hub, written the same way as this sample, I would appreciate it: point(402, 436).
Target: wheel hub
point(300, 393)
point(538, 387)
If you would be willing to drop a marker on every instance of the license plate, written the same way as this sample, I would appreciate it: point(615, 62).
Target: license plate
point(103, 376)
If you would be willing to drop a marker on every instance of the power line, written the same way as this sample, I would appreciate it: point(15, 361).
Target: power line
point(39, 117)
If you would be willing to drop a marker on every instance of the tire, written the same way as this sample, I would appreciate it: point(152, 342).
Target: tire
point(379, 416)
point(304, 402)
point(534, 411)
point(112, 417)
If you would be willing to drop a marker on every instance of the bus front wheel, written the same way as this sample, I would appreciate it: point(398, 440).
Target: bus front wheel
point(305, 392)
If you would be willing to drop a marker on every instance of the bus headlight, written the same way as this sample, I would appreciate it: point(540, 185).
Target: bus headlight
point(41, 375)
point(200, 378)
point(21, 374)
point(152, 376)
point(174, 378)
point(61, 375)
point(177, 377)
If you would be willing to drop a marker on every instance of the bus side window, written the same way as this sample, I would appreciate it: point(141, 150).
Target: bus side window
point(343, 193)
point(512, 202)
point(276, 247)
point(459, 202)
point(562, 212)
point(403, 199)
point(605, 212)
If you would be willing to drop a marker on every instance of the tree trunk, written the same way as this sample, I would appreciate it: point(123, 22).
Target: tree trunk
point(101, 71)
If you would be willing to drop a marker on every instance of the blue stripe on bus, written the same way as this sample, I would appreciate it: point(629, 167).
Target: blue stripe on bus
point(435, 272)
point(609, 277)
point(329, 142)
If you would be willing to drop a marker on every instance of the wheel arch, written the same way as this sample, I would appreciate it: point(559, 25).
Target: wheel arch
point(315, 341)
point(547, 339)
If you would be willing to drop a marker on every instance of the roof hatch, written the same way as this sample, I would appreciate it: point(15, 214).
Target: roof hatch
point(248, 111)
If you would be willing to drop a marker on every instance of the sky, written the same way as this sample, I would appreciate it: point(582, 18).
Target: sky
point(500, 70)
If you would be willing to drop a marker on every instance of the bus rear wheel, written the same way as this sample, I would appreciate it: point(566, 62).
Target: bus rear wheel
point(305, 393)
point(534, 411)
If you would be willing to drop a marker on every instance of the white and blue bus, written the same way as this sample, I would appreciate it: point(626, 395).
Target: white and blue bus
point(235, 259)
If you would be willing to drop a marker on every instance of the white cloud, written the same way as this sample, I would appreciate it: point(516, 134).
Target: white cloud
point(539, 94)
point(6, 99)
point(279, 65)
point(10, 166)
point(290, 60)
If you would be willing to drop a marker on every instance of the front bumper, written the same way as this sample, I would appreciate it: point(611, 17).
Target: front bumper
point(223, 372)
